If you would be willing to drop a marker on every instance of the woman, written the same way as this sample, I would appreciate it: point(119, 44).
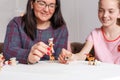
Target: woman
point(27, 36)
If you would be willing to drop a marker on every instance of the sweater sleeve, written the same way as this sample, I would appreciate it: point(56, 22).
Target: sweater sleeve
point(61, 41)
point(12, 43)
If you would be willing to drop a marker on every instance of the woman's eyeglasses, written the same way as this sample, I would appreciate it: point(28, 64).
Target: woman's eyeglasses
point(43, 4)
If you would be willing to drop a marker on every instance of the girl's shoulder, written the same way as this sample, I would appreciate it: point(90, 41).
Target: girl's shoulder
point(96, 30)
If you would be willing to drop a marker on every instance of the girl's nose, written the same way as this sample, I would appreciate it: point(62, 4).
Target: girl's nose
point(105, 14)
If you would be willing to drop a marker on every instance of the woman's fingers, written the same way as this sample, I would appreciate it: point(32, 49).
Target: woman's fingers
point(33, 58)
point(37, 51)
point(42, 47)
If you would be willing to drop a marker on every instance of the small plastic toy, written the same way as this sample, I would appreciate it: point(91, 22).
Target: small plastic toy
point(50, 49)
point(91, 59)
point(12, 61)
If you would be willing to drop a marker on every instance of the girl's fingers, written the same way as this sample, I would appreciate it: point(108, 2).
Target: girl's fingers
point(62, 57)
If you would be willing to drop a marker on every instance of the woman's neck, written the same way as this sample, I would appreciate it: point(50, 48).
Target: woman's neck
point(43, 25)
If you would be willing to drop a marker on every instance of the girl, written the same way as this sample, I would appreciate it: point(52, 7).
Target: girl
point(106, 39)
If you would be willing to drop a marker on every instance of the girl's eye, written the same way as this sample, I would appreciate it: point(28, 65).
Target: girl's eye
point(111, 11)
point(100, 10)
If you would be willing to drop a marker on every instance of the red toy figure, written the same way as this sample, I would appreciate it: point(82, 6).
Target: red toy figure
point(50, 49)
point(91, 59)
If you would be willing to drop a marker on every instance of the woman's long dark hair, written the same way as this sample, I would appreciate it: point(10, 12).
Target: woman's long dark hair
point(29, 19)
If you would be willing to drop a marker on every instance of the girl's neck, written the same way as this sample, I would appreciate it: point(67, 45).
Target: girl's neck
point(111, 33)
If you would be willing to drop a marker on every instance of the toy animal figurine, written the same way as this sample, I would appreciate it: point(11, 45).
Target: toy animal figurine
point(50, 49)
point(12, 61)
point(91, 59)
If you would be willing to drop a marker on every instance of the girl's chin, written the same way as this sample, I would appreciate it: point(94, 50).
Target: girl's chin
point(105, 24)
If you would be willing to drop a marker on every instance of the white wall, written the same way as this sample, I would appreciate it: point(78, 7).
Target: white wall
point(9, 9)
point(80, 16)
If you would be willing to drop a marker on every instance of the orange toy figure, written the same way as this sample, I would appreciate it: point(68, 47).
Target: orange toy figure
point(50, 49)
point(91, 59)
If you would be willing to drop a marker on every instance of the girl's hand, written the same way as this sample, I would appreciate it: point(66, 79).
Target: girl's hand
point(38, 50)
point(65, 56)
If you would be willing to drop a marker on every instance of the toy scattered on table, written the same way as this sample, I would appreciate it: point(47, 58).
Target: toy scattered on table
point(51, 49)
point(12, 61)
point(91, 59)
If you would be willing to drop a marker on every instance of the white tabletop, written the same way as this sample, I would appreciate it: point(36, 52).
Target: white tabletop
point(76, 70)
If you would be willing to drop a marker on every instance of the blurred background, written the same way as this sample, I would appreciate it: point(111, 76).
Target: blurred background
point(80, 15)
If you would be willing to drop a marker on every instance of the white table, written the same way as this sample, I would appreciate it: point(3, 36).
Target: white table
point(76, 70)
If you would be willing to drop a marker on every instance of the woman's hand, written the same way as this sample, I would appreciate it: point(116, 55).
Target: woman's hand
point(65, 56)
point(38, 50)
